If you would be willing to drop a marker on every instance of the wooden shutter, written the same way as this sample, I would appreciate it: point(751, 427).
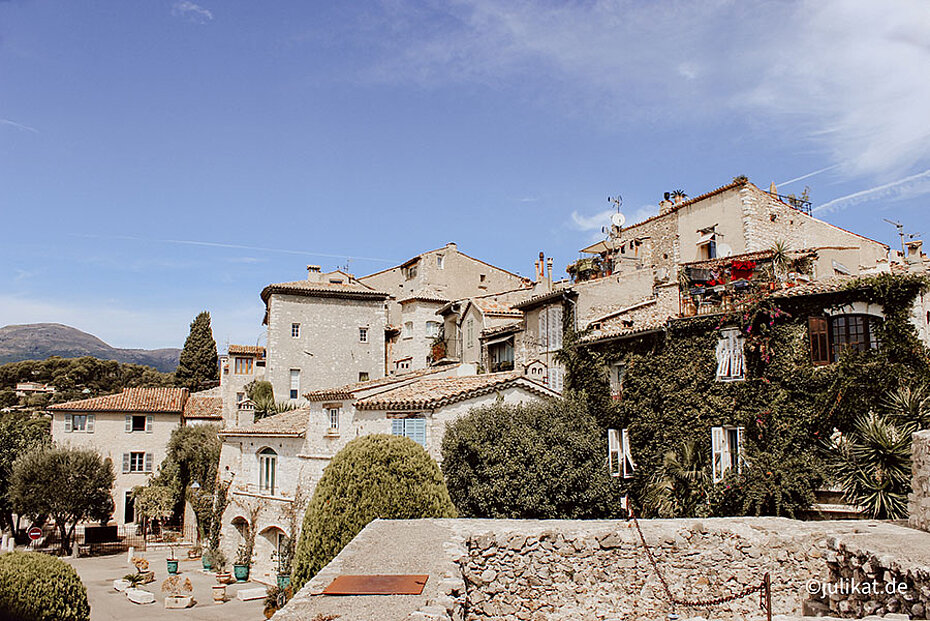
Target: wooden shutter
point(739, 449)
point(717, 441)
point(820, 340)
point(628, 464)
point(555, 327)
point(723, 358)
point(126, 458)
point(89, 425)
point(415, 429)
point(543, 335)
point(613, 452)
point(128, 423)
point(149, 423)
point(148, 462)
point(397, 427)
point(68, 427)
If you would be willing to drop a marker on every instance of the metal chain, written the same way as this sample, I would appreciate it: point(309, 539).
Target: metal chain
point(694, 603)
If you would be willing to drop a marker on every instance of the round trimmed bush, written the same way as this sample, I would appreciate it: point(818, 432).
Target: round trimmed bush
point(39, 587)
point(376, 476)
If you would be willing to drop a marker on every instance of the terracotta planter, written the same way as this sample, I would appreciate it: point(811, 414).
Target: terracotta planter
point(219, 593)
point(179, 601)
point(224, 577)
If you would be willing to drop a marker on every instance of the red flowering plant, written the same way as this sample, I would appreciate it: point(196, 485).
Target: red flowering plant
point(756, 318)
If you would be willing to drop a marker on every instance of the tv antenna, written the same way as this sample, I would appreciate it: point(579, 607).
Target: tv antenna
point(900, 228)
point(617, 220)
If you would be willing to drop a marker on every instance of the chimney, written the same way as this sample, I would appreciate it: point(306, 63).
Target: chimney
point(665, 205)
point(549, 270)
point(314, 273)
point(452, 246)
point(541, 267)
point(914, 251)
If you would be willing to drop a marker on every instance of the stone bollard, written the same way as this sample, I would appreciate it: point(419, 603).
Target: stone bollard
point(6, 538)
point(132, 553)
point(11, 545)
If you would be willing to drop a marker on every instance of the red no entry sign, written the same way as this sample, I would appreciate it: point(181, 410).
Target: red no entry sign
point(35, 533)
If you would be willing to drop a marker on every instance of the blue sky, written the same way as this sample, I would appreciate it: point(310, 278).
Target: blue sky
point(163, 157)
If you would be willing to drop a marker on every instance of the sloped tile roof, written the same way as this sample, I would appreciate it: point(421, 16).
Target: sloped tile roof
point(286, 424)
point(167, 400)
point(348, 391)
point(513, 326)
point(536, 300)
point(350, 289)
point(817, 287)
point(432, 393)
point(618, 329)
point(204, 405)
point(495, 308)
point(248, 350)
point(426, 294)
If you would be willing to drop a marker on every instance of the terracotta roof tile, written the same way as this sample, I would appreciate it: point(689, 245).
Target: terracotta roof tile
point(495, 308)
point(286, 424)
point(167, 400)
point(542, 298)
point(513, 326)
point(205, 405)
point(348, 391)
point(432, 393)
point(350, 289)
point(253, 350)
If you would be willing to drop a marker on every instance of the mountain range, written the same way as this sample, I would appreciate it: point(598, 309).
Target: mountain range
point(38, 341)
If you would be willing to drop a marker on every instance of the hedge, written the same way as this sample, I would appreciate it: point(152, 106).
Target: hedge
point(376, 476)
point(39, 587)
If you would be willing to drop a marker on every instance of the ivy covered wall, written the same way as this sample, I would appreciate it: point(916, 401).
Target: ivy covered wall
point(788, 407)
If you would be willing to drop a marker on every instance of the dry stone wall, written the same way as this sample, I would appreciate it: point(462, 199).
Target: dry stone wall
point(919, 500)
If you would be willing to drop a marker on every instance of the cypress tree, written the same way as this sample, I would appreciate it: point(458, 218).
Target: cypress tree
point(198, 363)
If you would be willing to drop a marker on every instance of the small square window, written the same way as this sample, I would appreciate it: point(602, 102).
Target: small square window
point(439, 262)
point(138, 423)
point(136, 462)
point(408, 330)
point(79, 422)
point(333, 415)
point(363, 335)
point(363, 376)
point(295, 330)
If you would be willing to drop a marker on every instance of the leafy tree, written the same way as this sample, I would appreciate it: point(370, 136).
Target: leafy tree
point(39, 587)
point(8, 398)
point(69, 484)
point(198, 363)
point(532, 461)
point(873, 465)
point(153, 501)
point(679, 487)
point(260, 390)
point(19, 434)
point(193, 456)
point(375, 476)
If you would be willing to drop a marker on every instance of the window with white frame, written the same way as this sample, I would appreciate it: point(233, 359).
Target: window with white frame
point(731, 363)
point(243, 366)
point(332, 415)
point(432, 329)
point(412, 427)
point(550, 328)
point(617, 374)
point(554, 379)
point(80, 423)
point(137, 461)
point(295, 330)
point(402, 365)
point(619, 457)
point(267, 470)
point(727, 450)
point(295, 383)
point(363, 335)
point(408, 329)
point(140, 423)
point(470, 333)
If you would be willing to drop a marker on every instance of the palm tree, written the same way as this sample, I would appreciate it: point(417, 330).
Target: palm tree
point(679, 487)
point(267, 406)
point(873, 466)
point(780, 260)
point(909, 405)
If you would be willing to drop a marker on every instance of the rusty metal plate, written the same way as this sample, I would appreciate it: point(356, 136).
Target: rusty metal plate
point(397, 584)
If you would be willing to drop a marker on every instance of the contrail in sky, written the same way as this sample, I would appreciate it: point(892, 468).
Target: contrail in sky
point(192, 242)
point(879, 191)
point(810, 174)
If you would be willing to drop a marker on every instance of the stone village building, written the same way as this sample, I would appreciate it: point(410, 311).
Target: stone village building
point(132, 428)
point(281, 457)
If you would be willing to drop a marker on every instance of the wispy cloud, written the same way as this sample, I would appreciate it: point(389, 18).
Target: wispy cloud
point(591, 223)
point(192, 12)
point(913, 185)
point(19, 126)
point(845, 76)
point(808, 175)
point(213, 244)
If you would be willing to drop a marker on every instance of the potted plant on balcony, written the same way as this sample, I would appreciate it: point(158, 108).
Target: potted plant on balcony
point(243, 563)
point(178, 592)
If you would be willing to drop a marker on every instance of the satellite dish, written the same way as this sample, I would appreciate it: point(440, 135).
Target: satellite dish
point(724, 250)
point(618, 220)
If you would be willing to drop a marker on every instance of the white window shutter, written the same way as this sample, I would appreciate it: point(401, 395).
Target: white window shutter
point(717, 442)
point(614, 455)
point(128, 423)
point(739, 449)
point(628, 464)
point(555, 327)
point(738, 361)
point(723, 357)
point(125, 462)
point(149, 423)
point(397, 427)
point(543, 331)
point(89, 425)
point(68, 427)
point(148, 462)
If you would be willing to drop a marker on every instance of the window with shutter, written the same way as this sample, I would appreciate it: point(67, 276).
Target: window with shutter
point(126, 462)
point(730, 360)
point(727, 450)
point(149, 423)
point(717, 449)
point(819, 340)
point(148, 462)
point(128, 423)
point(555, 328)
point(628, 464)
point(91, 423)
point(413, 428)
point(614, 455)
point(543, 332)
point(68, 423)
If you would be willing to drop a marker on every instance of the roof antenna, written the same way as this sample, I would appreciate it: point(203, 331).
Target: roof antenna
point(900, 228)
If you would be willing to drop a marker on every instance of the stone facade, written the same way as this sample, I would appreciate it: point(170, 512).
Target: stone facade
point(597, 570)
point(240, 366)
point(919, 499)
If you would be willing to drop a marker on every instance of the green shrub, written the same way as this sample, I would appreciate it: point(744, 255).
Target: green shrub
point(376, 476)
point(39, 587)
point(533, 461)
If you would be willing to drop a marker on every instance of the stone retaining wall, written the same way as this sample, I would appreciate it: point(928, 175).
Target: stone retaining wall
point(919, 500)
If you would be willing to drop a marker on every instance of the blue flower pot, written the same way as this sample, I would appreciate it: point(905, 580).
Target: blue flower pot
point(241, 572)
point(172, 567)
point(284, 580)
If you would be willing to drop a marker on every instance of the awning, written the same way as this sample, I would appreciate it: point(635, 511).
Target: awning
point(499, 339)
point(706, 238)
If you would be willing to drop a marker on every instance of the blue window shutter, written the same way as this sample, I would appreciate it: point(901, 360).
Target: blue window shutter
point(416, 430)
point(397, 426)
